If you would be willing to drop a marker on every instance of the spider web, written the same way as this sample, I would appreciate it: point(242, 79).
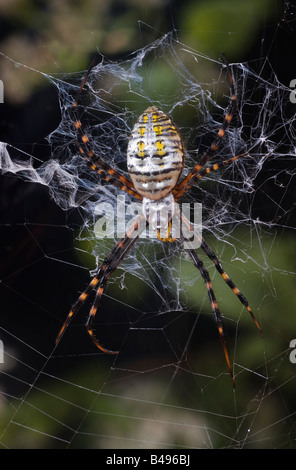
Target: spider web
point(168, 387)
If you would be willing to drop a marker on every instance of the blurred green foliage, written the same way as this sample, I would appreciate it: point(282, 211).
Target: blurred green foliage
point(214, 26)
point(116, 405)
point(53, 36)
point(60, 37)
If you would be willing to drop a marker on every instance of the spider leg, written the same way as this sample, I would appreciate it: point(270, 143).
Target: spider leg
point(209, 252)
point(203, 172)
point(211, 255)
point(189, 180)
point(215, 309)
point(101, 167)
point(108, 266)
point(108, 173)
point(76, 306)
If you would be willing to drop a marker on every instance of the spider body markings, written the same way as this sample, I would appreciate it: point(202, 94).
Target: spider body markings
point(155, 155)
point(155, 160)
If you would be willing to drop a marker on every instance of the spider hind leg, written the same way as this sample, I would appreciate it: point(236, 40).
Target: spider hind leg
point(215, 309)
point(108, 266)
point(209, 252)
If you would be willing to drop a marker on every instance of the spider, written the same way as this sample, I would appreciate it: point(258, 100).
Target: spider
point(155, 160)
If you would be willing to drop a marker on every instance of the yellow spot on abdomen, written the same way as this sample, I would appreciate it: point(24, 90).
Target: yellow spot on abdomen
point(141, 149)
point(160, 148)
point(141, 131)
point(157, 130)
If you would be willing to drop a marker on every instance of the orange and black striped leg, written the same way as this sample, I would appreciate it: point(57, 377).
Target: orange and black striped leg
point(190, 179)
point(227, 119)
point(215, 309)
point(203, 172)
point(109, 265)
point(76, 306)
point(108, 173)
point(209, 252)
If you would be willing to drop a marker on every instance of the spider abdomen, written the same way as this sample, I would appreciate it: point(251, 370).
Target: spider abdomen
point(155, 154)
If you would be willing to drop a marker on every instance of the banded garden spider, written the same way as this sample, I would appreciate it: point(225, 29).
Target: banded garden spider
point(155, 160)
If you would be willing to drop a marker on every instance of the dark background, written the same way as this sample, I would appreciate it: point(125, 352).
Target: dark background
point(61, 37)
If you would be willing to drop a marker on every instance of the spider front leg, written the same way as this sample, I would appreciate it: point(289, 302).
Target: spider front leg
point(107, 172)
point(188, 181)
point(109, 265)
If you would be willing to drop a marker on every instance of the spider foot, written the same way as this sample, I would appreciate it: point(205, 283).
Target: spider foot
point(168, 237)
